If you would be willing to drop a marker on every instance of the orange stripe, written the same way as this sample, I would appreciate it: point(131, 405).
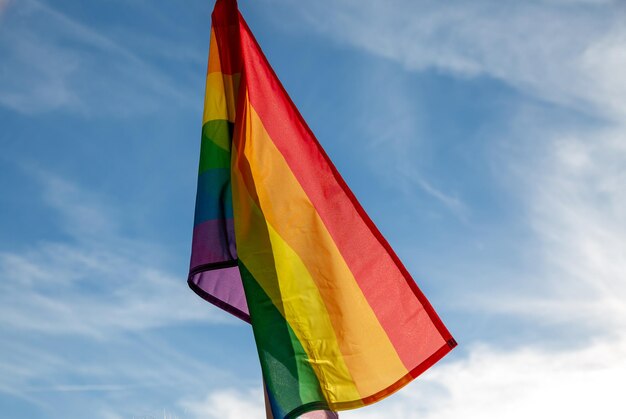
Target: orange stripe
point(214, 56)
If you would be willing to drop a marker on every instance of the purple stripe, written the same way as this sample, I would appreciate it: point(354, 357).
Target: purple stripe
point(223, 288)
point(214, 274)
point(213, 241)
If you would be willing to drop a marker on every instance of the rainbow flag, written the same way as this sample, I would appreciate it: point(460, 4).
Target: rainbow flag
point(280, 241)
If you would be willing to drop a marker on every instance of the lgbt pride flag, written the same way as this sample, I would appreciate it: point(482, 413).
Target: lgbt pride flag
point(281, 242)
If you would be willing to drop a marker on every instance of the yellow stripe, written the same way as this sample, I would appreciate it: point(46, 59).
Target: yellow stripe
point(371, 358)
point(316, 330)
point(297, 300)
point(219, 100)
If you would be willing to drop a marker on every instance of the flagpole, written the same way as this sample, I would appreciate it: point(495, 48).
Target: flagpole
point(268, 409)
point(317, 414)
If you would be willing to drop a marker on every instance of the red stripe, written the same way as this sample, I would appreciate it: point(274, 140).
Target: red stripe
point(225, 20)
point(427, 363)
point(395, 298)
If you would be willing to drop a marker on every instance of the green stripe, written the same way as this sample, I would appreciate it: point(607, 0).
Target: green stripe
point(285, 364)
point(215, 148)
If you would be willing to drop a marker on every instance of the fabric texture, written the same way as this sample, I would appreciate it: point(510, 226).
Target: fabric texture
point(280, 241)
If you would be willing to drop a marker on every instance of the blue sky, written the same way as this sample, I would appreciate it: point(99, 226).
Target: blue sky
point(487, 140)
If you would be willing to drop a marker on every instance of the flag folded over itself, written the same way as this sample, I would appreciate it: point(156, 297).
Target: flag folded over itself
point(281, 242)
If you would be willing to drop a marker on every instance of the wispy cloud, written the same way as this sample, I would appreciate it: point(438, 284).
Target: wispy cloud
point(572, 181)
point(390, 123)
point(52, 61)
point(125, 376)
point(61, 289)
point(97, 284)
point(568, 52)
point(75, 315)
point(414, 179)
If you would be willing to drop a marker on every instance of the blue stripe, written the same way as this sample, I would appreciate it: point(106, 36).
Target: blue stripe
point(214, 197)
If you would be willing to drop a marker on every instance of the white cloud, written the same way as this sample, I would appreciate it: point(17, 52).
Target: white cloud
point(97, 284)
point(570, 179)
point(576, 383)
point(227, 404)
point(527, 382)
point(233, 403)
point(571, 53)
point(51, 61)
point(571, 184)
